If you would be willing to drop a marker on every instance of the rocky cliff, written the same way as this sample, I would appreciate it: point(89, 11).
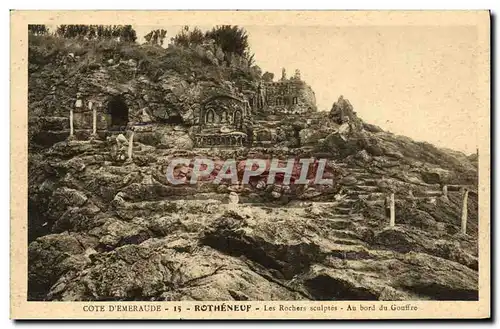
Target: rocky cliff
point(163, 85)
point(102, 228)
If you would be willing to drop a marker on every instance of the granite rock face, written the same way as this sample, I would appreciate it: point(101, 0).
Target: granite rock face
point(106, 229)
point(147, 84)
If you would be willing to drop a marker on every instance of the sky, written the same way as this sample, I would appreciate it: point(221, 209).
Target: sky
point(417, 81)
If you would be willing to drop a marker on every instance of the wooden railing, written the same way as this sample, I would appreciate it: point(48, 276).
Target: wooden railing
point(464, 189)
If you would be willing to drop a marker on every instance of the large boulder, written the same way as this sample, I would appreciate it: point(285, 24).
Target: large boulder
point(343, 112)
point(52, 256)
point(169, 269)
point(435, 176)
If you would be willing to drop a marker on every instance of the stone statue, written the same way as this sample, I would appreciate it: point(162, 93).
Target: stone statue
point(121, 140)
point(297, 74)
point(260, 96)
point(233, 198)
point(283, 74)
point(145, 118)
point(79, 102)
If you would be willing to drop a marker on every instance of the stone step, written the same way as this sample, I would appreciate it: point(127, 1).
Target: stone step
point(364, 175)
point(344, 216)
point(430, 193)
point(376, 195)
point(457, 188)
point(371, 182)
point(80, 134)
point(130, 210)
point(337, 224)
point(375, 202)
point(349, 252)
point(200, 196)
point(304, 204)
point(362, 196)
point(349, 242)
point(352, 193)
point(365, 188)
point(344, 234)
point(357, 170)
point(343, 210)
point(193, 196)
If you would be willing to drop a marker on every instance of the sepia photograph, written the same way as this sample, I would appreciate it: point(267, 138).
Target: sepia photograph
point(244, 162)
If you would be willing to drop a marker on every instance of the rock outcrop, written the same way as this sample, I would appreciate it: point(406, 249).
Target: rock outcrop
point(103, 226)
point(116, 230)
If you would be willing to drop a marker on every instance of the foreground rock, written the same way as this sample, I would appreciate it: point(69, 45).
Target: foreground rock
point(243, 252)
point(107, 229)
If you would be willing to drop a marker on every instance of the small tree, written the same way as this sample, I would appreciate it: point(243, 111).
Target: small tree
point(268, 76)
point(231, 39)
point(127, 33)
point(196, 37)
point(156, 37)
point(124, 33)
point(92, 32)
point(187, 38)
point(38, 29)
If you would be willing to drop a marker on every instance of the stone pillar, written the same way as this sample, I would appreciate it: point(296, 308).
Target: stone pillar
point(94, 117)
point(78, 105)
point(445, 191)
point(130, 146)
point(94, 122)
point(392, 221)
point(71, 129)
point(465, 194)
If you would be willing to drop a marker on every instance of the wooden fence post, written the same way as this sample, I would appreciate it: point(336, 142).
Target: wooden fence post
point(393, 211)
point(465, 194)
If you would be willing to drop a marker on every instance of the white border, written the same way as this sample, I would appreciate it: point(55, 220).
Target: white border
point(192, 4)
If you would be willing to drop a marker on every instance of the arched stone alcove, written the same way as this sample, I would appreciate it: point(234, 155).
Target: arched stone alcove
point(117, 110)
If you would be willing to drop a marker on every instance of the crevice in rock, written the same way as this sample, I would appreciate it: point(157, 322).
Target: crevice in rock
point(439, 292)
point(324, 287)
point(270, 278)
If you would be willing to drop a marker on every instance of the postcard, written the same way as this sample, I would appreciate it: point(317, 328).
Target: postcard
point(250, 164)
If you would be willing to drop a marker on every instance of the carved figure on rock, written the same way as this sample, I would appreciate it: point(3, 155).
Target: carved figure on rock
point(233, 198)
point(145, 118)
point(121, 140)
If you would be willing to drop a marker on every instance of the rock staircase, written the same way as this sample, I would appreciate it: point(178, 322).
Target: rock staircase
point(365, 187)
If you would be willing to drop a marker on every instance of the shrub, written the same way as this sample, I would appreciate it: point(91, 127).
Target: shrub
point(231, 38)
point(187, 38)
point(124, 33)
point(156, 37)
point(268, 77)
point(38, 29)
